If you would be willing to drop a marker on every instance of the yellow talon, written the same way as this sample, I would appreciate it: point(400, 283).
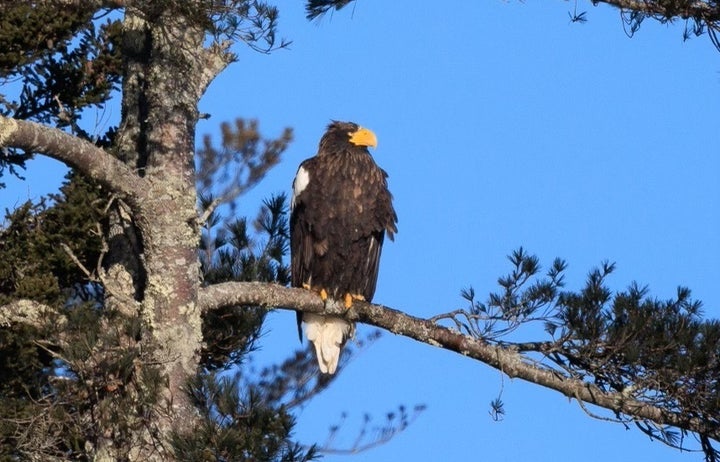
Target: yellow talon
point(322, 292)
point(350, 297)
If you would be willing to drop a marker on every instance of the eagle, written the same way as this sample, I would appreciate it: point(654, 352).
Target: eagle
point(341, 210)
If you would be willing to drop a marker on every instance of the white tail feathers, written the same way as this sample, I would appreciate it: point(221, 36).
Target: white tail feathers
point(328, 334)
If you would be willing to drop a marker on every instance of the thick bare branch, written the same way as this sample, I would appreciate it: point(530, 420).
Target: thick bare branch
point(27, 312)
point(507, 360)
point(73, 151)
point(258, 294)
point(216, 58)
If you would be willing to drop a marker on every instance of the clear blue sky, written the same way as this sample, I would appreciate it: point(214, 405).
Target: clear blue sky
point(501, 124)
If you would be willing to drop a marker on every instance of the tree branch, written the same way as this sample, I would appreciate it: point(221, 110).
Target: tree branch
point(27, 312)
point(71, 150)
point(685, 10)
point(111, 4)
point(507, 360)
point(216, 58)
point(706, 11)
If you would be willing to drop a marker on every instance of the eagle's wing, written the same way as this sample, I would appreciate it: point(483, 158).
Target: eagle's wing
point(301, 241)
point(378, 217)
point(374, 248)
point(300, 244)
point(385, 213)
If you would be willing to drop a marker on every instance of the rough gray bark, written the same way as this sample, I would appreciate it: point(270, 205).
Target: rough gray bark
point(151, 268)
point(75, 152)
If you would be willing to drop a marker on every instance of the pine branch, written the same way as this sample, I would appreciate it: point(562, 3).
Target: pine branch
point(507, 360)
point(87, 3)
point(684, 9)
point(317, 8)
point(700, 10)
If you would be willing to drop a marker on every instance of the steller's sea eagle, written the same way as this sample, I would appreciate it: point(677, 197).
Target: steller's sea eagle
point(341, 210)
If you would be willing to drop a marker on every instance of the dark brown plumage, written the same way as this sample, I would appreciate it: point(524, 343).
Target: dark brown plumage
point(341, 211)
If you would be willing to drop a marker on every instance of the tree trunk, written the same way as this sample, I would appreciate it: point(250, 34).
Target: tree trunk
point(152, 257)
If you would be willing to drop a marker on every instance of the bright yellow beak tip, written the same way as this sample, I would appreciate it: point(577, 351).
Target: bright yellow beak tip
point(363, 137)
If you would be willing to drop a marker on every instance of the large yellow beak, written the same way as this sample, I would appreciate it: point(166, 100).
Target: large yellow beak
point(363, 137)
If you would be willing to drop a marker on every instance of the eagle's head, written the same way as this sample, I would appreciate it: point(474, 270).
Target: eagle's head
point(341, 136)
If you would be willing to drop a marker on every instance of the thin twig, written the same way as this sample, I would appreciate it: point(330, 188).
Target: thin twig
point(77, 262)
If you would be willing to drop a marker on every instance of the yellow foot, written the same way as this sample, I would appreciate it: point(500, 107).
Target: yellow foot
point(350, 297)
point(322, 292)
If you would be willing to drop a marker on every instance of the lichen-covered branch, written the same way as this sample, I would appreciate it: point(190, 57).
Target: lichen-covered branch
point(82, 155)
point(506, 359)
point(27, 312)
point(216, 58)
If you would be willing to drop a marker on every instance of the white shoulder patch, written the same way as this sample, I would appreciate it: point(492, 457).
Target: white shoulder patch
point(302, 178)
